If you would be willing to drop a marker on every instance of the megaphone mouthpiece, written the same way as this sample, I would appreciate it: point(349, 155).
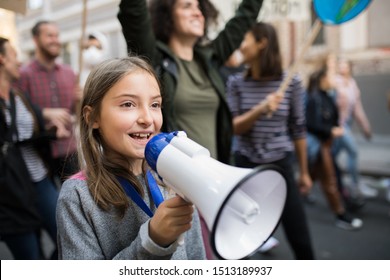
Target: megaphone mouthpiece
point(244, 207)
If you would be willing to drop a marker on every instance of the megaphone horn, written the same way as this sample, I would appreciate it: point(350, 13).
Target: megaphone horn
point(241, 206)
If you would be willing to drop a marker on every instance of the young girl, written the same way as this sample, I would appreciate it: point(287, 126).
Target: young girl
point(120, 113)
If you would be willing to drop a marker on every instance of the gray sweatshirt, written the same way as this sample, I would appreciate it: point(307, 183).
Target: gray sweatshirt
point(87, 232)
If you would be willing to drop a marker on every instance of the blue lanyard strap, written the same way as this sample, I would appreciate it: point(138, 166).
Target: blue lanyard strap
point(133, 194)
point(154, 189)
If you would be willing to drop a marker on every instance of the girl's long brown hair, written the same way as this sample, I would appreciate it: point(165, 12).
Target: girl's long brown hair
point(102, 169)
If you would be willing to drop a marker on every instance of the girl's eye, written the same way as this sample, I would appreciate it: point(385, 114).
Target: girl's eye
point(156, 105)
point(127, 104)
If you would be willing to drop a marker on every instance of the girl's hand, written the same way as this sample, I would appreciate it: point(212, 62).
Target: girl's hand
point(172, 218)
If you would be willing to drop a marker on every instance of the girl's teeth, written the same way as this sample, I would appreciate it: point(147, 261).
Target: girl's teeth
point(139, 135)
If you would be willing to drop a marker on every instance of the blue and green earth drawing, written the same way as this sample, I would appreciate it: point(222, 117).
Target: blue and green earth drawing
point(338, 11)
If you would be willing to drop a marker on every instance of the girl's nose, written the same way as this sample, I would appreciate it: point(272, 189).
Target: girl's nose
point(145, 117)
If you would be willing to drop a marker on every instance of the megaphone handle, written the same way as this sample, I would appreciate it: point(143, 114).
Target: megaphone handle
point(180, 240)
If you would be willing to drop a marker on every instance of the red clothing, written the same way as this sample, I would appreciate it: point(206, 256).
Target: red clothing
point(54, 88)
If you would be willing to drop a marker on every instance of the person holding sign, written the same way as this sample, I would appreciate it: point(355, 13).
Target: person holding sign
point(263, 138)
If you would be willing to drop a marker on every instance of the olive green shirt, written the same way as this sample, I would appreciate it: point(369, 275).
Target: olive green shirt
point(140, 39)
point(196, 102)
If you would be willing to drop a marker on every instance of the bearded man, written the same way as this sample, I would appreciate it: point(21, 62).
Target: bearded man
point(53, 87)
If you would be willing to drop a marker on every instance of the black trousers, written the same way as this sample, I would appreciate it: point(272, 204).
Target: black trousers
point(293, 217)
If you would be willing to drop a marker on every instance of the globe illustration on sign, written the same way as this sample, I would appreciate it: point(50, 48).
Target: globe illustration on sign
point(338, 11)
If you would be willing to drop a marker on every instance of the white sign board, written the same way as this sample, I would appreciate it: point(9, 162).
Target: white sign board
point(295, 10)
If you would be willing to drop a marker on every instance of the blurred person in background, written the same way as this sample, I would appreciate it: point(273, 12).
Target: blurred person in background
point(269, 127)
point(351, 108)
point(96, 49)
point(53, 87)
point(233, 65)
point(24, 210)
point(323, 127)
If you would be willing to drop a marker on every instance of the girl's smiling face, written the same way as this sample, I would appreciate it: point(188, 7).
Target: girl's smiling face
point(130, 115)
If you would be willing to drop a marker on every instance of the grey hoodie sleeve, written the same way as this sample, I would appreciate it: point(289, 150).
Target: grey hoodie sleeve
point(87, 232)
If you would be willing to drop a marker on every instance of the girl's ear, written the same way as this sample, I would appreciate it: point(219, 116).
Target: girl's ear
point(87, 110)
point(262, 43)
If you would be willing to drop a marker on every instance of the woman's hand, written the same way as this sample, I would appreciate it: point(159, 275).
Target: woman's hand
point(61, 130)
point(368, 134)
point(59, 118)
point(172, 218)
point(273, 101)
point(337, 131)
point(57, 115)
point(305, 183)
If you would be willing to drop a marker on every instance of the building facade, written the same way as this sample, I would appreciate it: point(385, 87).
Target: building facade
point(100, 15)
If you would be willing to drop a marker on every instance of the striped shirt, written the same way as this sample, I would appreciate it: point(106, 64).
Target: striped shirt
point(54, 88)
point(25, 127)
point(270, 137)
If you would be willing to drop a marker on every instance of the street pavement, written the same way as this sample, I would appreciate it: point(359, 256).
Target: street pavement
point(372, 242)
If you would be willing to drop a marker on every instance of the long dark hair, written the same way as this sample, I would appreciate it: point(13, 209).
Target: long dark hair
point(315, 79)
point(161, 12)
point(2, 45)
point(270, 61)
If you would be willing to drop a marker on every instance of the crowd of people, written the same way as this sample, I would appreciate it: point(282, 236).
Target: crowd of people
point(81, 140)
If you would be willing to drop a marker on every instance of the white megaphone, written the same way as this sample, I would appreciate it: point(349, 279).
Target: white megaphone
point(241, 206)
